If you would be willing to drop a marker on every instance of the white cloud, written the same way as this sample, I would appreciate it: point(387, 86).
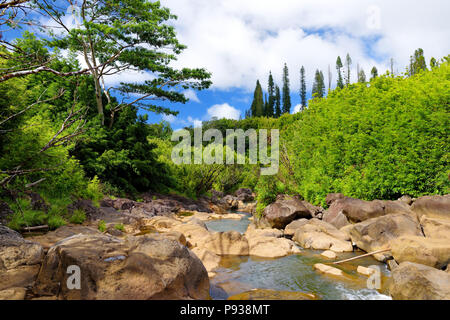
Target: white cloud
point(191, 95)
point(297, 108)
point(240, 41)
point(220, 111)
point(195, 122)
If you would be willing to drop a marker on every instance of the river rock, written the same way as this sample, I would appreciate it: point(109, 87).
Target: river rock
point(210, 260)
point(329, 254)
point(271, 247)
point(15, 251)
point(432, 252)
point(13, 294)
point(335, 218)
point(50, 238)
point(244, 194)
point(413, 281)
point(160, 223)
point(227, 243)
point(432, 207)
point(328, 270)
point(195, 235)
point(253, 232)
point(283, 211)
point(365, 271)
point(376, 233)
point(436, 228)
point(137, 268)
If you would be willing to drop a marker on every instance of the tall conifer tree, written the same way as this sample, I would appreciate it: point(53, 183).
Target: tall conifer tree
point(286, 91)
point(340, 82)
point(277, 102)
point(303, 88)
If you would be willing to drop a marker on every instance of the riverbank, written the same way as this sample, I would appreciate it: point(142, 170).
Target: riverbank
point(170, 247)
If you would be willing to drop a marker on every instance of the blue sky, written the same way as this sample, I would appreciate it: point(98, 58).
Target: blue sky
point(240, 41)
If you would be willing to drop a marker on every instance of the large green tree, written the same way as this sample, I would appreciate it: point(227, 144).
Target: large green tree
point(417, 62)
point(302, 87)
point(271, 91)
point(348, 63)
point(257, 108)
point(318, 89)
point(340, 81)
point(115, 36)
point(277, 102)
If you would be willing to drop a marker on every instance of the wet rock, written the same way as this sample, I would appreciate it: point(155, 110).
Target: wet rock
point(329, 254)
point(413, 281)
point(227, 243)
point(268, 294)
point(427, 251)
point(136, 268)
point(271, 247)
point(376, 233)
point(328, 270)
point(432, 207)
point(365, 271)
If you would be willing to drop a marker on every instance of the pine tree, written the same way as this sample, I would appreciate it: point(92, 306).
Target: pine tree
point(302, 88)
point(361, 76)
point(271, 102)
point(374, 73)
point(286, 91)
point(257, 108)
point(348, 63)
point(277, 102)
point(340, 82)
point(318, 89)
point(329, 77)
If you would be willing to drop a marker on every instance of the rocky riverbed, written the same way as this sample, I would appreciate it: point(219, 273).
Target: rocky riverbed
point(169, 247)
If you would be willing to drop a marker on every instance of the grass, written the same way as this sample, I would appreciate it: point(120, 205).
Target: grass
point(78, 216)
point(120, 227)
point(102, 226)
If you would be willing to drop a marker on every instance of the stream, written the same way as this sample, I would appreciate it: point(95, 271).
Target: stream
point(238, 274)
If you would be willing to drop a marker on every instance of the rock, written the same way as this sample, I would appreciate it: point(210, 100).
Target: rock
point(230, 202)
point(435, 228)
point(227, 243)
point(427, 251)
point(244, 194)
point(146, 267)
point(392, 264)
point(175, 235)
point(319, 235)
point(23, 277)
point(15, 251)
point(49, 239)
point(210, 260)
point(316, 225)
point(329, 254)
point(268, 294)
point(271, 247)
point(253, 232)
point(346, 230)
point(197, 222)
point(328, 270)
point(376, 233)
point(356, 210)
point(280, 213)
point(13, 294)
point(406, 199)
point(5, 212)
point(195, 234)
point(331, 197)
point(413, 281)
point(335, 218)
point(290, 229)
point(365, 271)
point(432, 207)
point(160, 223)
point(249, 207)
point(91, 211)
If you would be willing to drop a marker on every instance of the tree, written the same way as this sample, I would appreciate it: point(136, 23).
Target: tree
point(271, 92)
point(302, 88)
point(137, 35)
point(277, 102)
point(329, 77)
point(348, 63)
point(257, 108)
point(286, 91)
point(361, 76)
point(374, 73)
point(318, 89)
point(340, 82)
point(417, 62)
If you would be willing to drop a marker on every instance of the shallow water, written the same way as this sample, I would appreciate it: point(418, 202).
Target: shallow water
point(291, 273)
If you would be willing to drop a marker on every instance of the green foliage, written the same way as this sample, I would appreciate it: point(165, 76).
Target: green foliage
point(286, 91)
point(101, 226)
point(78, 216)
point(119, 227)
point(257, 108)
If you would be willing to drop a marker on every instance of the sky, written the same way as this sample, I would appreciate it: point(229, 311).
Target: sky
point(240, 41)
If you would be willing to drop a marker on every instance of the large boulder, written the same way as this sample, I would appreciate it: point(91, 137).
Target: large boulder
point(271, 247)
point(319, 235)
point(428, 251)
point(413, 281)
point(195, 235)
point(147, 267)
point(50, 238)
point(436, 228)
point(283, 211)
point(229, 202)
point(376, 233)
point(244, 194)
point(356, 210)
point(15, 251)
point(315, 225)
point(227, 243)
point(432, 207)
point(210, 260)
